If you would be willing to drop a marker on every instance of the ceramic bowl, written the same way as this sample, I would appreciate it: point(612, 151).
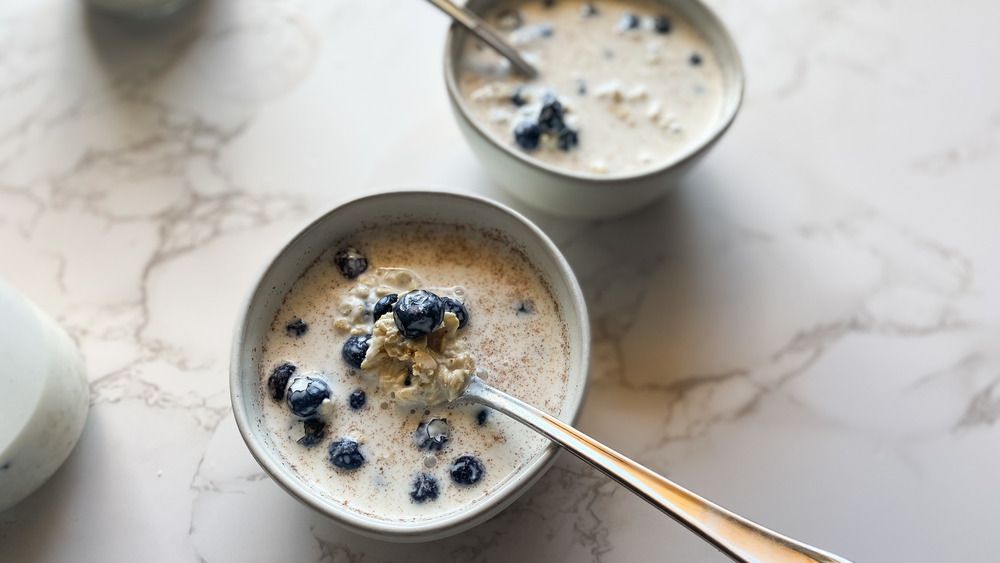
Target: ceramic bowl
point(270, 289)
point(581, 194)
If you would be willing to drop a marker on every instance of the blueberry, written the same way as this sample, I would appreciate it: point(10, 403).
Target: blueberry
point(344, 454)
point(550, 118)
point(354, 350)
point(509, 20)
point(581, 87)
point(350, 262)
point(384, 305)
point(661, 24)
point(517, 97)
point(628, 21)
point(306, 394)
point(587, 10)
point(418, 313)
point(357, 399)
point(315, 431)
point(425, 487)
point(695, 59)
point(543, 30)
point(525, 307)
point(296, 328)
point(432, 434)
point(466, 470)
point(455, 306)
point(567, 139)
point(527, 135)
point(481, 416)
point(278, 380)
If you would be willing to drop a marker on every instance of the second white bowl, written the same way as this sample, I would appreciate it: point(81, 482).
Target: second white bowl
point(581, 194)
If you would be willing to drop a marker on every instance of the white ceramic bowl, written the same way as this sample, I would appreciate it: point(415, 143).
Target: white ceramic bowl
point(580, 194)
point(269, 291)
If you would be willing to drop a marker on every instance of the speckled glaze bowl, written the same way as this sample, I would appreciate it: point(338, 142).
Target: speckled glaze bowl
point(582, 194)
point(270, 289)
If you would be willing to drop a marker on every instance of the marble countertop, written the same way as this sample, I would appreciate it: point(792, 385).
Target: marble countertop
point(806, 332)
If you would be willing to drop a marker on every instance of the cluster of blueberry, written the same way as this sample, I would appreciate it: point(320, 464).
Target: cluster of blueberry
point(416, 314)
point(528, 133)
point(305, 396)
point(466, 470)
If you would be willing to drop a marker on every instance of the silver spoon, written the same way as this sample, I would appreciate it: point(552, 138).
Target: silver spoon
point(478, 27)
point(734, 535)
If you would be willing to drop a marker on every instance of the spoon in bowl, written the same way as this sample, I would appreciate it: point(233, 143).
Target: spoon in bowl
point(734, 535)
point(478, 27)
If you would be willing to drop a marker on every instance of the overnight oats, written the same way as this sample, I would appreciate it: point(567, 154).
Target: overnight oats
point(623, 87)
point(375, 339)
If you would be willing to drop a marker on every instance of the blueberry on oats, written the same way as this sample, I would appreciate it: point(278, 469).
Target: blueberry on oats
point(418, 313)
point(455, 306)
point(354, 350)
point(527, 135)
point(384, 305)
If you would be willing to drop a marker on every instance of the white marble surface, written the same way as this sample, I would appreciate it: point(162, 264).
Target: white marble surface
point(807, 332)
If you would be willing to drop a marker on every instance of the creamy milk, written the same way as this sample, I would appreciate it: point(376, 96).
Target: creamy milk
point(515, 331)
point(634, 97)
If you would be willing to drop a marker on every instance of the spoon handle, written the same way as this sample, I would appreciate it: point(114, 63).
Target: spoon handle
point(478, 27)
point(734, 535)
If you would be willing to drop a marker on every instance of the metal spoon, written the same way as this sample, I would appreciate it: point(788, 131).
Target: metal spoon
point(478, 27)
point(734, 535)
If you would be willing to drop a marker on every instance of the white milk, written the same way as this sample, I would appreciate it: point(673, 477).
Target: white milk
point(634, 97)
point(525, 353)
point(43, 397)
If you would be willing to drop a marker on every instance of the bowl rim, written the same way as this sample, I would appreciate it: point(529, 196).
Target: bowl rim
point(733, 100)
point(449, 523)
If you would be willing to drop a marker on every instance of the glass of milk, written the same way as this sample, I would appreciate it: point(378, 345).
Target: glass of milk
point(44, 396)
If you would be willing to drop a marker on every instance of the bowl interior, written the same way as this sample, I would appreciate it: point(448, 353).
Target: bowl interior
point(700, 16)
point(303, 250)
